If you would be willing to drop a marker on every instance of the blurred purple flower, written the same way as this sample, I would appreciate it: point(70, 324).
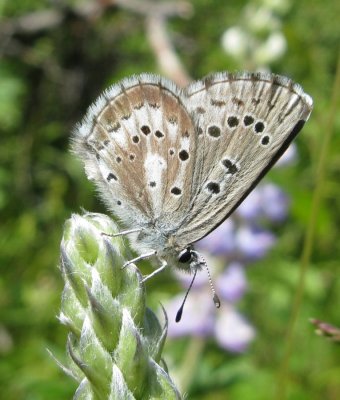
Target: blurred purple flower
point(288, 157)
point(266, 201)
point(251, 207)
point(232, 331)
point(232, 283)
point(200, 318)
point(275, 202)
point(221, 241)
point(253, 243)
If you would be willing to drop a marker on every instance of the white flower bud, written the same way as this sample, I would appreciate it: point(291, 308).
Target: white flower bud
point(272, 49)
point(235, 41)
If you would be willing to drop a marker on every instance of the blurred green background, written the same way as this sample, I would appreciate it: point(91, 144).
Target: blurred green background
point(56, 57)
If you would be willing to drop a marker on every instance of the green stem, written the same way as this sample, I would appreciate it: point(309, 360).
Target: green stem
point(191, 359)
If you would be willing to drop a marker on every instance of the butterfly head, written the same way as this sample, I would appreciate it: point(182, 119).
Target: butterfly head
point(190, 260)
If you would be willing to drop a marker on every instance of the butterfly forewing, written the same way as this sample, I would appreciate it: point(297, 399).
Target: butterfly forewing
point(139, 143)
point(244, 123)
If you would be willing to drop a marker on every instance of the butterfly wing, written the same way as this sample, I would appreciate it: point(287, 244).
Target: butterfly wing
point(244, 123)
point(136, 142)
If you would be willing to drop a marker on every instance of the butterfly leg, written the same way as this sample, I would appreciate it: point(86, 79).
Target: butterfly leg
point(141, 257)
point(163, 266)
point(121, 233)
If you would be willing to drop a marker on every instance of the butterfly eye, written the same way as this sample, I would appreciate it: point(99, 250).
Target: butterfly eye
point(185, 256)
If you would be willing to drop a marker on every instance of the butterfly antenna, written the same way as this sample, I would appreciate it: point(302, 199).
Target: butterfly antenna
point(215, 297)
point(204, 263)
point(180, 311)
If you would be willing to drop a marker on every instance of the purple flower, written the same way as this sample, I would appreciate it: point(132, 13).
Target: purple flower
point(232, 283)
point(288, 157)
point(266, 201)
point(275, 202)
point(232, 331)
point(221, 241)
point(253, 243)
point(251, 208)
point(200, 318)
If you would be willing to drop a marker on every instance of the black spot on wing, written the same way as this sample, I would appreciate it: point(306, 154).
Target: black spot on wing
point(159, 134)
point(183, 155)
point(229, 166)
point(214, 131)
point(232, 121)
point(248, 120)
point(213, 187)
point(259, 127)
point(145, 129)
point(265, 140)
point(176, 191)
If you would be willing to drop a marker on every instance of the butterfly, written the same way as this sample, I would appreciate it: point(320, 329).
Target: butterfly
point(172, 164)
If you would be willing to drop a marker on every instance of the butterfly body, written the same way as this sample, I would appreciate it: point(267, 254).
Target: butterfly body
point(164, 244)
point(173, 164)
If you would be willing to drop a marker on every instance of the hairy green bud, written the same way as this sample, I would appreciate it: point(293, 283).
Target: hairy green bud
point(115, 342)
